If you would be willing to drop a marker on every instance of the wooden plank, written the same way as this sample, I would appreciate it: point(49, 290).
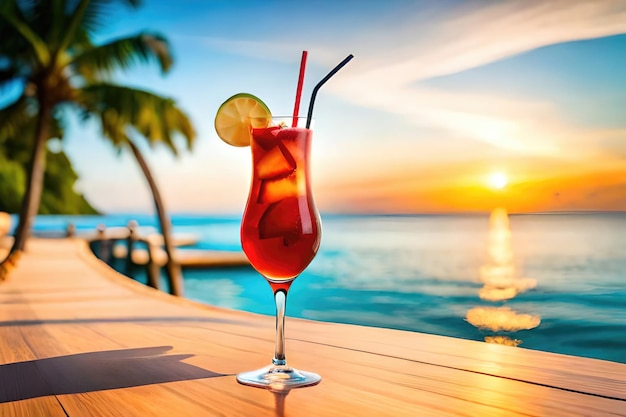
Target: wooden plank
point(87, 341)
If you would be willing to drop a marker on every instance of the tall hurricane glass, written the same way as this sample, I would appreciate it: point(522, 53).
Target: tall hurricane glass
point(280, 232)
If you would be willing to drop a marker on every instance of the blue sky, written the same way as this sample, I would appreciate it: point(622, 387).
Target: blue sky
point(440, 95)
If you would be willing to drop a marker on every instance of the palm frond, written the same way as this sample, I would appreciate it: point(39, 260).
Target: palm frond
point(16, 54)
point(82, 41)
point(42, 16)
point(123, 53)
point(72, 25)
point(96, 12)
point(94, 17)
point(176, 117)
point(50, 19)
point(119, 108)
point(87, 16)
point(11, 15)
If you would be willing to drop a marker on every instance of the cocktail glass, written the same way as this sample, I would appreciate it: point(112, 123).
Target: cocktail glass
point(280, 232)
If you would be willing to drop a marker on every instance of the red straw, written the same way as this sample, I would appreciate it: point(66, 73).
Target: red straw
point(296, 107)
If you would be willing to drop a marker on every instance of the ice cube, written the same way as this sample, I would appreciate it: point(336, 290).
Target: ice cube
point(296, 148)
point(272, 190)
point(276, 163)
point(266, 138)
point(281, 219)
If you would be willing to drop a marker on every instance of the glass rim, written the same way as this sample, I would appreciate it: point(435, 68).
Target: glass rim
point(282, 117)
point(303, 122)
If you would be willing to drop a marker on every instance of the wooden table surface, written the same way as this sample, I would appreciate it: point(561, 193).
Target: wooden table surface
point(77, 339)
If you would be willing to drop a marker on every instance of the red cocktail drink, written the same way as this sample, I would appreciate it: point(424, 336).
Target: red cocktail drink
point(280, 231)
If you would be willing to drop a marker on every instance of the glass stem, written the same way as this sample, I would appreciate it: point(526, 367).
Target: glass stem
point(280, 297)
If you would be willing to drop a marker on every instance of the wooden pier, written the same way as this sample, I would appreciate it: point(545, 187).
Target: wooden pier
point(117, 241)
point(78, 339)
point(186, 258)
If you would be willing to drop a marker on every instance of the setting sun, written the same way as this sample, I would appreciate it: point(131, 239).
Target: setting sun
point(497, 180)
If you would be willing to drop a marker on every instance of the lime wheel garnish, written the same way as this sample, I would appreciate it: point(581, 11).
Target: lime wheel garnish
point(237, 115)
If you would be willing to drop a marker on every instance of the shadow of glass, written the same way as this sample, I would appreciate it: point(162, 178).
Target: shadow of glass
point(95, 371)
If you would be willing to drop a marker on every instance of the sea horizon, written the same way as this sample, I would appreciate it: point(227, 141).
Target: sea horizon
point(128, 213)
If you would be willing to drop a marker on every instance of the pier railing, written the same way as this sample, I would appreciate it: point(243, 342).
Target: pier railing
point(137, 250)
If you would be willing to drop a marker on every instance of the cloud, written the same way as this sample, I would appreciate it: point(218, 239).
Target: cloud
point(484, 32)
point(426, 42)
point(466, 38)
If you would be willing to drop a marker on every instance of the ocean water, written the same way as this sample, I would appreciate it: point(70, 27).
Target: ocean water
point(552, 282)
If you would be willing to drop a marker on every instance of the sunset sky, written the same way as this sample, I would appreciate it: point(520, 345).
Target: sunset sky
point(439, 97)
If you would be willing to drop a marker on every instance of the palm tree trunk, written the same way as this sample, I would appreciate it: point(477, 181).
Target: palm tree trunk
point(34, 188)
point(34, 184)
point(172, 268)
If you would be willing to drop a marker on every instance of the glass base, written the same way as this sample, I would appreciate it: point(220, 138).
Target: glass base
point(278, 378)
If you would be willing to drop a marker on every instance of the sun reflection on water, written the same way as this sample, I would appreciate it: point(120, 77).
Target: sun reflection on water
point(501, 282)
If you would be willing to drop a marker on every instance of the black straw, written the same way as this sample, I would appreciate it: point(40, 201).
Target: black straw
point(321, 83)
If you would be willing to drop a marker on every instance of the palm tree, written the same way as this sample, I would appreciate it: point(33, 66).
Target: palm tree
point(47, 51)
